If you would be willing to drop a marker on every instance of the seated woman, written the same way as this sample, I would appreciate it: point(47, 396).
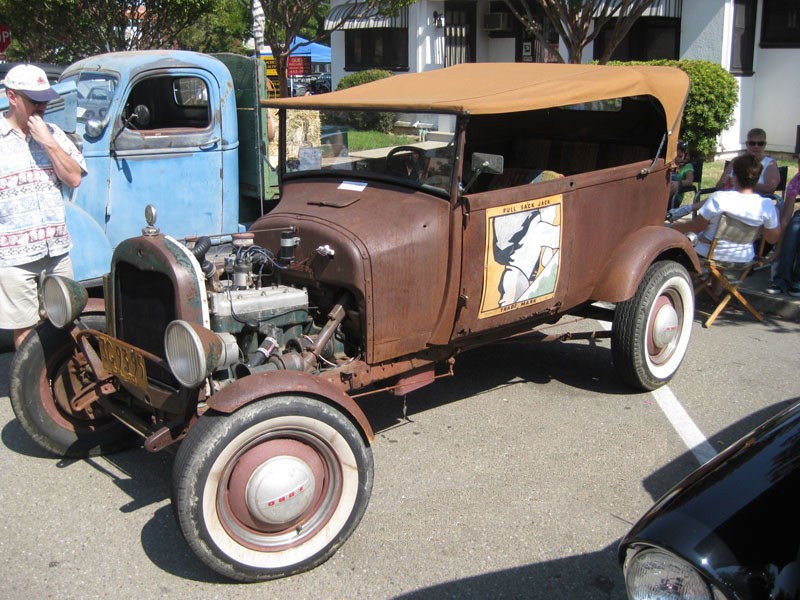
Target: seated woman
point(741, 202)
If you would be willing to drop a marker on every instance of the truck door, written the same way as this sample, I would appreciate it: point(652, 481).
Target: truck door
point(171, 148)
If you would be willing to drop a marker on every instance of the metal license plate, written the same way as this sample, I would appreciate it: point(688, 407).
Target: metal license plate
point(123, 360)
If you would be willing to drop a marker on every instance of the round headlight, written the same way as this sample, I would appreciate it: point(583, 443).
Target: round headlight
point(63, 299)
point(655, 574)
point(185, 354)
point(193, 352)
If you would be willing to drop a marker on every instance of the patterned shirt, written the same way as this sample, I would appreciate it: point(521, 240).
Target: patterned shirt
point(32, 212)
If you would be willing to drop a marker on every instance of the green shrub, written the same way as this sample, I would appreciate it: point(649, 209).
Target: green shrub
point(361, 77)
point(709, 109)
point(362, 120)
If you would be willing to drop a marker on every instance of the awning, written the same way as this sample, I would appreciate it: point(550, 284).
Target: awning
point(358, 15)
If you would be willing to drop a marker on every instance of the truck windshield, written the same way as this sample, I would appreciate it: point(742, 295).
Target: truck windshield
point(417, 149)
point(95, 93)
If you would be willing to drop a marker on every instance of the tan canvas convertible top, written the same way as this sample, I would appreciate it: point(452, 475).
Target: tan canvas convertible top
point(488, 88)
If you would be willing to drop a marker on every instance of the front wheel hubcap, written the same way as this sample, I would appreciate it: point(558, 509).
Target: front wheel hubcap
point(280, 490)
point(276, 485)
point(665, 325)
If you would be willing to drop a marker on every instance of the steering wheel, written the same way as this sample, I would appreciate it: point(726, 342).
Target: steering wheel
point(410, 166)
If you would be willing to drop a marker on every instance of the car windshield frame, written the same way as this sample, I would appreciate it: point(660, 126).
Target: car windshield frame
point(353, 144)
point(96, 91)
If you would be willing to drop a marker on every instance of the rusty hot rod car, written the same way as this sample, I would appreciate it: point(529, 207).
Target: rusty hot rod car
point(501, 211)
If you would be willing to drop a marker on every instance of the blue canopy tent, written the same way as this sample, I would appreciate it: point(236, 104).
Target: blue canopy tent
point(319, 53)
point(320, 59)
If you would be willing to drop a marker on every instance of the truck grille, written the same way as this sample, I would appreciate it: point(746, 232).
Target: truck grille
point(145, 305)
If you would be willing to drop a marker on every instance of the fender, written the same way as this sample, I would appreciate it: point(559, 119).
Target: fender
point(273, 383)
point(632, 258)
point(91, 252)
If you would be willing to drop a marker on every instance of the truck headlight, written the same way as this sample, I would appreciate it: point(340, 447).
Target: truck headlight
point(63, 299)
point(194, 352)
point(654, 574)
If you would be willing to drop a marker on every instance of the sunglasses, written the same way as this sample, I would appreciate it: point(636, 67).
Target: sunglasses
point(749, 143)
point(32, 101)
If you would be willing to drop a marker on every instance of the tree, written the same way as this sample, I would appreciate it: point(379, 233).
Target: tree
point(709, 110)
point(284, 20)
point(62, 31)
point(222, 30)
point(573, 20)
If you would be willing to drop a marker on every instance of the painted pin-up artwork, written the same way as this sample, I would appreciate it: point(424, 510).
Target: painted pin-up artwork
point(523, 251)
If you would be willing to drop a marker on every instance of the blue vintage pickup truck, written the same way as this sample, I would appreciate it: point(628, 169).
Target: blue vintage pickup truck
point(180, 130)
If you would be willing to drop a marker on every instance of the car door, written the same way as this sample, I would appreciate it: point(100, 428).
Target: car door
point(170, 153)
point(513, 256)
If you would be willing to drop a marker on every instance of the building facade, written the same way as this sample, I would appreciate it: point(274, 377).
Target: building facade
point(758, 41)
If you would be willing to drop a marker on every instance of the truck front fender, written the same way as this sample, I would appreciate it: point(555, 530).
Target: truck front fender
point(91, 252)
point(635, 254)
point(274, 383)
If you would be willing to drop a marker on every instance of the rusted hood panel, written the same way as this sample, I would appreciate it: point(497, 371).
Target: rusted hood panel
point(390, 248)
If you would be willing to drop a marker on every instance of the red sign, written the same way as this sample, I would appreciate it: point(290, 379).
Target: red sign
point(5, 38)
point(298, 65)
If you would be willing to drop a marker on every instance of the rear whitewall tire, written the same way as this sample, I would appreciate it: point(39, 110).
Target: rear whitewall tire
point(651, 331)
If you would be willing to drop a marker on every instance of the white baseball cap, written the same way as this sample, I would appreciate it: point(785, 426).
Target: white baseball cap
point(32, 81)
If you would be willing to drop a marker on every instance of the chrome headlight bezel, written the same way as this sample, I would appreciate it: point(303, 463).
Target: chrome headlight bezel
point(63, 300)
point(193, 352)
point(654, 573)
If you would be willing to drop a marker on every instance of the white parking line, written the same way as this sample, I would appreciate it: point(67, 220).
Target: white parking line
point(683, 424)
point(680, 420)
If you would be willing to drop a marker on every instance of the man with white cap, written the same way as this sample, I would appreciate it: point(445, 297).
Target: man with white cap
point(36, 160)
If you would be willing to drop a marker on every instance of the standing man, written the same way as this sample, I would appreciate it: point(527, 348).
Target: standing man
point(36, 161)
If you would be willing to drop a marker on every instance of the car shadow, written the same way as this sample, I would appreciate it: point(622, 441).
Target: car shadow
point(145, 477)
point(17, 440)
point(591, 576)
point(580, 365)
point(594, 575)
point(662, 480)
point(163, 544)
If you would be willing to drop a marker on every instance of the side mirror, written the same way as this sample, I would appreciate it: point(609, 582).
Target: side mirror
point(484, 163)
point(140, 116)
point(94, 128)
point(487, 163)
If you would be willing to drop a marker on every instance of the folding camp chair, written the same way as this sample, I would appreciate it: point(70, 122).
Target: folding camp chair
point(735, 231)
point(780, 191)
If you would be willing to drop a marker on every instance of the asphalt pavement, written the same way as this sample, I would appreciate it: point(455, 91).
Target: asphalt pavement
point(514, 479)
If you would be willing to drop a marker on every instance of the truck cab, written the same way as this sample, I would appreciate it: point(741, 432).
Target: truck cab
point(182, 130)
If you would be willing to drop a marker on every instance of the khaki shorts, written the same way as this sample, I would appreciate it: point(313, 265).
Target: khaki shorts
point(19, 286)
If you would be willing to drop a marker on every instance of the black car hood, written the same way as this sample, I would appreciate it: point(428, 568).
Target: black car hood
point(737, 518)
